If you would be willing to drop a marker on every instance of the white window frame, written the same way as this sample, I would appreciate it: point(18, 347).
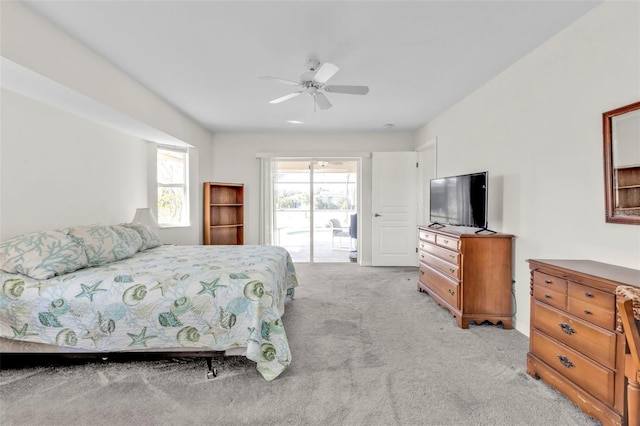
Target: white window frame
point(184, 186)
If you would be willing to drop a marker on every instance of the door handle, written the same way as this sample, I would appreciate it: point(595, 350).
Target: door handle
point(377, 215)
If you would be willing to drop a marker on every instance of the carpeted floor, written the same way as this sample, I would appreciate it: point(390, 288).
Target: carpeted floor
point(368, 349)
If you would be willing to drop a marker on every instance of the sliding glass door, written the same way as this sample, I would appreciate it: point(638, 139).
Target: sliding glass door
point(315, 208)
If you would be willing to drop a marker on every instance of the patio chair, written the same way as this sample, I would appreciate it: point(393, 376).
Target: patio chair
point(338, 231)
point(628, 300)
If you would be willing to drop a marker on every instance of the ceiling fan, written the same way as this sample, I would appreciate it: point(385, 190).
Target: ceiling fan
point(313, 81)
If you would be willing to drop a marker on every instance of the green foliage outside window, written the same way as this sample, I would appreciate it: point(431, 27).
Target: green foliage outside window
point(173, 202)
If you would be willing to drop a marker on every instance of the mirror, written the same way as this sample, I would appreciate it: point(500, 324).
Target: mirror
point(621, 132)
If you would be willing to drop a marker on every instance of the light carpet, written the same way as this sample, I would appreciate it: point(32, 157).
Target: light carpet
point(367, 347)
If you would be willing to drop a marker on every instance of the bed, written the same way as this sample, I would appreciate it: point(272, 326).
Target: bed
point(115, 289)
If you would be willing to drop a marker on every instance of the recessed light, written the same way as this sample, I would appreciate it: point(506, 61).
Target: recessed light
point(294, 122)
point(388, 126)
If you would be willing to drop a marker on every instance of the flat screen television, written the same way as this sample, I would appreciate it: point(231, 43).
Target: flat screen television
point(460, 200)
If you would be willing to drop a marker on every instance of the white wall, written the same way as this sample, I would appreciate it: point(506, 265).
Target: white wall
point(537, 129)
point(234, 160)
point(37, 45)
point(60, 170)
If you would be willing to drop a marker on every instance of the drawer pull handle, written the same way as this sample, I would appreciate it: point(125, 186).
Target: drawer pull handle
point(586, 293)
point(565, 361)
point(452, 270)
point(566, 328)
point(421, 272)
point(451, 292)
point(587, 312)
point(547, 281)
point(445, 241)
point(546, 296)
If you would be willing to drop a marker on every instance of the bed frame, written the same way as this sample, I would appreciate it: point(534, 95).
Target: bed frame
point(20, 349)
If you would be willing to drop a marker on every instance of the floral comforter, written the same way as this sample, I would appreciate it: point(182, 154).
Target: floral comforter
point(209, 297)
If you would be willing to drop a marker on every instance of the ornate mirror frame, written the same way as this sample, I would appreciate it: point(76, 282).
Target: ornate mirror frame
point(621, 135)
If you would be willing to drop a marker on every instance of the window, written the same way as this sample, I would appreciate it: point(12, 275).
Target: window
point(173, 199)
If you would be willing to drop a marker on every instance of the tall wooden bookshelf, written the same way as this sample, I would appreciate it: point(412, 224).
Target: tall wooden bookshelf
point(223, 213)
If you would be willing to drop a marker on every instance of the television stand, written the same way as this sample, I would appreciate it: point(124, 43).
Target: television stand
point(467, 273)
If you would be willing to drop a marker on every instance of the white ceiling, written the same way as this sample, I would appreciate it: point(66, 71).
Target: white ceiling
point(417, 57)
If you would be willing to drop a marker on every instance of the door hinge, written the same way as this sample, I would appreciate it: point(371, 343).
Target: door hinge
point(417, 165)
point(416, 249)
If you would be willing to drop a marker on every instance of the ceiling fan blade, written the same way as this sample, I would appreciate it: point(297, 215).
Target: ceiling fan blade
point(322, 101)
point(281, 80)
point(350, 90)
point(284, 98)
point(325, 72)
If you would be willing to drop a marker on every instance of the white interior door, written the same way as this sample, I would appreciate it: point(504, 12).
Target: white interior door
point(394, 207)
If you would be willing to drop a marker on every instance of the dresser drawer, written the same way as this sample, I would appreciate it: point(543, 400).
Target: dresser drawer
point(448, 255)
point(592, 341)
point(593, 305)
point(448, 242)
point(550, 282)
point(441, 265)
point(550, 296)
point(443, 286)
point(427, 236)
point(590, 376)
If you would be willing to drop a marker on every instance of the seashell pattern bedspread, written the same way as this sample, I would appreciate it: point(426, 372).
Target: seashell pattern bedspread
point(209, 297)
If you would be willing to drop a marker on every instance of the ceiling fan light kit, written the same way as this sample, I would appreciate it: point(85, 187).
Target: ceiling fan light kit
point(313, 82)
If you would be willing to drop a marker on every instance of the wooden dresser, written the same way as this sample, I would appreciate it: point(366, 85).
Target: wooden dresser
point(467, 273)
point(574, 345)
